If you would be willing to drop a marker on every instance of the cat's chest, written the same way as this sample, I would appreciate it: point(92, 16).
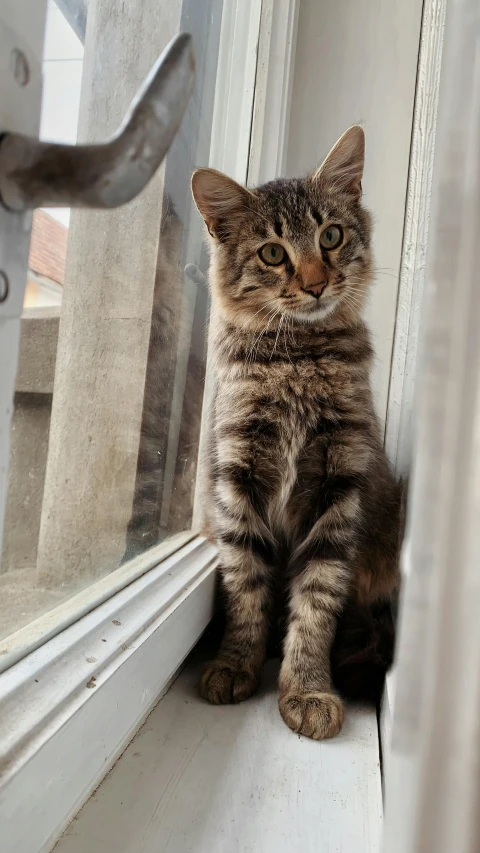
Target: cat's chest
point(302, 394)
point(289, 400)
point(291, 410)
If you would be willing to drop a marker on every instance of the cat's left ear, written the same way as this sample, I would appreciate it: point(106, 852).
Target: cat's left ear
point(343, 166)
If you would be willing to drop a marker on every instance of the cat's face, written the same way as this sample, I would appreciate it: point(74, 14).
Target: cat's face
point(298, 248)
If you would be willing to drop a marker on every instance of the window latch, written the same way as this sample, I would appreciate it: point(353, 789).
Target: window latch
point(47, 174)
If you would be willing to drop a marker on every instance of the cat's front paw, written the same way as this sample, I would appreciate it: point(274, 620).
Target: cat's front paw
point(221, 684)
point(315, 715)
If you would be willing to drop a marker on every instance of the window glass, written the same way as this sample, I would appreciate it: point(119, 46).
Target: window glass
point(62, 80)
point(108, 403)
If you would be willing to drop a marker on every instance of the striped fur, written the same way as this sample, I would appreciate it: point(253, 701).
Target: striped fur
point(302, 503)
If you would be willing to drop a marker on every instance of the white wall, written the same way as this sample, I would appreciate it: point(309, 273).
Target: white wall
point(62, 80)
point(356, 61)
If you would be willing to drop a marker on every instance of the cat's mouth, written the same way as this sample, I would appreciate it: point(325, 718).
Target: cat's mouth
point(313, 310)
point(314, 304)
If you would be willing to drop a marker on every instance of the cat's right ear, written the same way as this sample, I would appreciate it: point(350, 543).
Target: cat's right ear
point(219, 199)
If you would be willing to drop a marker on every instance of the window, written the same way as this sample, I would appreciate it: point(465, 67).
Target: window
point(62, 81)
point(109, 394)
point(132, 596)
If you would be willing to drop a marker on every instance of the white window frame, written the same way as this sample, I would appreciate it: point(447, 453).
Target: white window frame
point(432, 784)
point(80, 681)
point(398, 428)
point(408, 323)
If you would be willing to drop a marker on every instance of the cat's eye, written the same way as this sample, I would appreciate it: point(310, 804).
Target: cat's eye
point(331, 237)
point(272, 254)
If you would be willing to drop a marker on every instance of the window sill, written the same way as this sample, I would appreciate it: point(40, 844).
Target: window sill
point(68, 710)
point(26, 640)
point(204, 778)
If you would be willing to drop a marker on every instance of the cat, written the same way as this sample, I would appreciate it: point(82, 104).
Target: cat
point(302, 503)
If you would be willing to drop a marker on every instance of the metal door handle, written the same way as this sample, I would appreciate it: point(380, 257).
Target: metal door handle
point(46, 174)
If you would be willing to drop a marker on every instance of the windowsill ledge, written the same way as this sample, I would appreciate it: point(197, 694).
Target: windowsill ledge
point(68, 709)
point(207, 778)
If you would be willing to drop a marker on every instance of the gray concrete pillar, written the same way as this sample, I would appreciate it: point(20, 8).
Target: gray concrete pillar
point(106, 317)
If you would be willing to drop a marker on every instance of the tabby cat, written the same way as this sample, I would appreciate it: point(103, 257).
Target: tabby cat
point(303, 506)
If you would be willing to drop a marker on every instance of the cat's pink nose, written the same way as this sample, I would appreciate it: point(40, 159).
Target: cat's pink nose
point(312, 277)
point(316, 289)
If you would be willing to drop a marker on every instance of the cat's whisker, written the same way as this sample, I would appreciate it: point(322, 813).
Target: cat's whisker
point(353, 287)
point(256, 338)
point(265, 330)
point(356, 288)
point(355, 280)
point(268, 302)
point(358, 298)
point(352, 299)
point(291, 335)
point(256, 342)
point(285, 342)
point(385, 271)
point(264, 307)
point(353, 302)
point(276, 339)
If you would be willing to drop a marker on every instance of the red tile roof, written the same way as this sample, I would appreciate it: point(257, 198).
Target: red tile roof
point(48, 247)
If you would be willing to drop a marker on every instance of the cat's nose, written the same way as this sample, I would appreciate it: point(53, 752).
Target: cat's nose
point(312, 276)
point(315, 289)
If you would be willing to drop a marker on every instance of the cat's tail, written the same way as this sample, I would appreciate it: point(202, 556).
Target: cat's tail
point(363, 651)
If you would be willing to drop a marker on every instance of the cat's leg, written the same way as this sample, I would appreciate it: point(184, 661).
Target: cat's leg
point(308, 702)
point(244, 474)
point(244, 571)
point(246, 558)
point(321, 579)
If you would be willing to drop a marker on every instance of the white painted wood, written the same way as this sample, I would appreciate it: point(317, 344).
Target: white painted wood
point(398, 435)
point(387, 706)
point(273, 90)
point(232, 115)
point(356, 61)
point(398, 431)
point(68, 710)
point(386, 721)
point(432, 792)
point(21, 29)
point(234, 779)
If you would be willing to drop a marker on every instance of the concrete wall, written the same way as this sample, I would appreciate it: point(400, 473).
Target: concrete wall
point(29, 437)
point(28, 460)
point(356, 61)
